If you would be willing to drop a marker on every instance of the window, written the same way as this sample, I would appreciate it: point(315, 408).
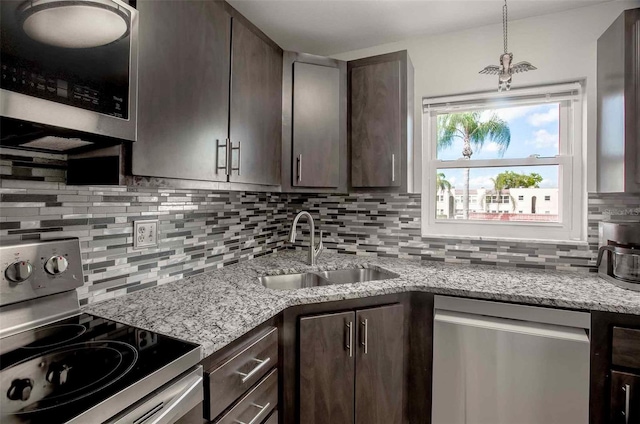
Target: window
point(523, 145)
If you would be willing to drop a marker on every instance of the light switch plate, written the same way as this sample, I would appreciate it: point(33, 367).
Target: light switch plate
point(145, 233)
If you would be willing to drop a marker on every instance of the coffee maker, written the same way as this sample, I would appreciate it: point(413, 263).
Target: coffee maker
point(619, 253)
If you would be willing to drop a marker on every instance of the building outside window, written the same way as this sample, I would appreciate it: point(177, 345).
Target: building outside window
point(498, 179)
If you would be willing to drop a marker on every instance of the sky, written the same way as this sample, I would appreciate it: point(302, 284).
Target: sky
point(534, 130)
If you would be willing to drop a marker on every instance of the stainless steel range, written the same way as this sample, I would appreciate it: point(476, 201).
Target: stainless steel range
point(59, 365)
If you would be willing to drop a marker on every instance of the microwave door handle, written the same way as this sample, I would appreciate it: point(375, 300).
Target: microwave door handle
point(601, 253)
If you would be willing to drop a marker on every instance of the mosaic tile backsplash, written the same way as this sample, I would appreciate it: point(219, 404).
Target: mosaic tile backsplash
point(389, 225)
point(201, 229)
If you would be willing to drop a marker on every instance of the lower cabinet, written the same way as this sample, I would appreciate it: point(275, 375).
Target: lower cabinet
point(615, 368)
point(352, 366)
point(625, 398)
point(242, 386)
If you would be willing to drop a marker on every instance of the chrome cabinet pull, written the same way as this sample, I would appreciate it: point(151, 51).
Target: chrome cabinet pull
point(627, 402)
point(393, 167)
point(300, 167)
point(365, 335)
point(261, 364)
point(256, 419)
point(349, 345)
point(231, 169)
point(224, 146)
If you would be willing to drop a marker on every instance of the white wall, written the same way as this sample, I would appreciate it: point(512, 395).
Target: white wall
point(561, 45)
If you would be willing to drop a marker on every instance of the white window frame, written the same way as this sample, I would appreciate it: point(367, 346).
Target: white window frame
point(569, 161)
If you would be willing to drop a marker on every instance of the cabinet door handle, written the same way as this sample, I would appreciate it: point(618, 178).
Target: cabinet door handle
point(393, 167)
point(349, 345)
point(224, 146)
point(261, 364)
point(231, 164)
point(627, 402)
point(256, 419)
point(300, 167)
point(365, 335)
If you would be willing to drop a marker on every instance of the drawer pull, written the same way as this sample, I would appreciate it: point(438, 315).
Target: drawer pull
point(627, 402)
point(258, 415)
point(261, 364)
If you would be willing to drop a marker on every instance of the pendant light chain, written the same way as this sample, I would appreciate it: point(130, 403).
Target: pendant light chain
point(504, 24)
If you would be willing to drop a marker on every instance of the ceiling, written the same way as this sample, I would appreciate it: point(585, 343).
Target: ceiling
point(327, 27)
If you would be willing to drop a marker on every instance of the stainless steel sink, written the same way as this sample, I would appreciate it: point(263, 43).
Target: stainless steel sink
point(358, 275)
point(293, 281)
point(325, 278)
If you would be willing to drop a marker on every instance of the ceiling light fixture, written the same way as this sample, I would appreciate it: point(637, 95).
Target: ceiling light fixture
point(74, 24)
point(506, 69)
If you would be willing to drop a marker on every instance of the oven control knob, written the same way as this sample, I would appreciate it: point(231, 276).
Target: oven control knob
point(20, 389)
point(19, 271)
point(56, 265)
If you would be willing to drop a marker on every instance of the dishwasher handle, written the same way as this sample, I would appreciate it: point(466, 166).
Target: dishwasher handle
point(513, 326)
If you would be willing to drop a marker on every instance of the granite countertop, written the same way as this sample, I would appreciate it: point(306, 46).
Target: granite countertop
point(215, 308)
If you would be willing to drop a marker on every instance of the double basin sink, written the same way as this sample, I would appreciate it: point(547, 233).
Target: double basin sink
point(325, 278)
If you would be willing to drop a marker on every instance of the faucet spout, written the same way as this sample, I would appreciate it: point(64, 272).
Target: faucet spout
point(313, 251)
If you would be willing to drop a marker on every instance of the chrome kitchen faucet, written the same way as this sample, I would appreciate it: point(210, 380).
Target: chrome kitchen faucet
point(313, 251)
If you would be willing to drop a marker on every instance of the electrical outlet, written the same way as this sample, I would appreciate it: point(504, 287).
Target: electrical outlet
point(145, 233)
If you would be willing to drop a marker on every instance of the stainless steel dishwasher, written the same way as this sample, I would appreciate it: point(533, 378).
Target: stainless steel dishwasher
point(499, 363)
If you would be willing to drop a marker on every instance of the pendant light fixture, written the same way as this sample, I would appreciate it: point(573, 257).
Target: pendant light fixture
point(506, 69)
point(74, 24)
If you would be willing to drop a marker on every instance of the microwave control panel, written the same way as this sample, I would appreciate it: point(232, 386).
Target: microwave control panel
point(23, 80)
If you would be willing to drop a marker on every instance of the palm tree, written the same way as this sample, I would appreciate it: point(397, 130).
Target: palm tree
point(498, 188)
point(442, 185)
point(469, 127)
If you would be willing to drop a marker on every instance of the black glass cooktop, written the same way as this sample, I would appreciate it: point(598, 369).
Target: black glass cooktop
point(54, 373)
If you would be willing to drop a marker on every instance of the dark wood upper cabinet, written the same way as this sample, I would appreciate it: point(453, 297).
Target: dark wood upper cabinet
point(183, 89)
point(316, 144)
point(314, 123)
point(207, 75)
point(380, 122)
point(327, 365)
point(618, 108)
point(380, 365)
point(256, 108)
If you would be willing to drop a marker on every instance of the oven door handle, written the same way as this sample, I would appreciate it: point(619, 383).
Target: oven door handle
point(166, 415)
point(167, 405)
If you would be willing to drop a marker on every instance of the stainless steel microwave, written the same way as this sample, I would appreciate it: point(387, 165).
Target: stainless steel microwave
point(71, 65)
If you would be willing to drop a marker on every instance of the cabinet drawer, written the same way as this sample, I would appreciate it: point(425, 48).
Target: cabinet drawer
point(227, 382)
point(625, 350)
point(273, 418)
point(255, 405)
point(625, 398)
